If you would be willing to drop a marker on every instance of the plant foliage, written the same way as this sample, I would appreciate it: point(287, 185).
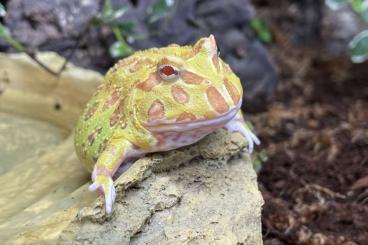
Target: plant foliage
point(359, 44)
point(2, 10)
point(159, 9)
point(6, 35)
point(122, 29)
point(261, 30)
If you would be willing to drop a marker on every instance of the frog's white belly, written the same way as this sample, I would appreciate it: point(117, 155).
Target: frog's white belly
point(170, 135)
point(174, 139)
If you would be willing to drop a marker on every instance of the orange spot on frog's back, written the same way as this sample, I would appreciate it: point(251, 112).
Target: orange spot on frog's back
point(116, 115)
point(91, 110)
point(111, 100)
point(148, 84)
point(122, 123)
point(233, 91)
point(179, 94)
point(216, 100)
point(156, 110)
point(93, 135)
point(99, 89)
point(186, 117)
point(191, 78)
point(102, 146)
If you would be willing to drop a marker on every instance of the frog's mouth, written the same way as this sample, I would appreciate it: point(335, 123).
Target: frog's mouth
point(216, 122)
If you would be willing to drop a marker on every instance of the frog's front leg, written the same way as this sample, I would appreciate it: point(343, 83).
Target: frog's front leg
point(238, 124)
point(116, 152)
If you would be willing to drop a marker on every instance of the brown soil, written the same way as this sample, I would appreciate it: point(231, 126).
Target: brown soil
point(316, 137)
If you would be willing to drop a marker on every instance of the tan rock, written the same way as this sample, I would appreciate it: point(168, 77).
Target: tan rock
point(202, 194)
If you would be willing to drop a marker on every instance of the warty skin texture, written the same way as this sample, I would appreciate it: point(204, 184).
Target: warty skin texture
point(157, 100)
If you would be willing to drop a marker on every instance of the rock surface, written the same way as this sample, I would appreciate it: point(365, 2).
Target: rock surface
point(43, 185)
point(209, 200)
point(201, 194)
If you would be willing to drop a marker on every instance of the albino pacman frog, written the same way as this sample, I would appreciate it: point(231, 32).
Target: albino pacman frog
point(157, 100)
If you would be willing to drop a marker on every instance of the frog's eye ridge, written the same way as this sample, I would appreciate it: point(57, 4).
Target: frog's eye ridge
point(168, 72)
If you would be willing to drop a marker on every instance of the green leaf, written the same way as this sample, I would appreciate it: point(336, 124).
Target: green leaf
point(359, 47)
point(357, 5)
point(364, 12)
point(2, 10)
point(261, 30)
point(120, 49)
point(107, 8)
point(97, 20)
point(116, 14)
point(4, 32)
point(360, 7)
point(336, 4)
point(126, 27)
point(109, 16)
point(258, 158)
point(160, 8)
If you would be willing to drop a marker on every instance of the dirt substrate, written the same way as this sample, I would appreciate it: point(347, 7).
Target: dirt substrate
point(316, 137)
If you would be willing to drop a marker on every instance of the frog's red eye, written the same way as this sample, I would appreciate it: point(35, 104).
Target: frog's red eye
point(168, 72)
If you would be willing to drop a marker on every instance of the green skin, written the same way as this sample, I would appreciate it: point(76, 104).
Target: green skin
point(157, 100)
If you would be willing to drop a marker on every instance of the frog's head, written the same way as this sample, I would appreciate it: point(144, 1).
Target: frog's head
point(190, 87)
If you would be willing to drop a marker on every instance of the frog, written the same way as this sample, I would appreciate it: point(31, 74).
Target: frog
point(157, 100)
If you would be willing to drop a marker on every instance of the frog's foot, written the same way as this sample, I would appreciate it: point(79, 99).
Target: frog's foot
point(242, 127)
point(104, 185)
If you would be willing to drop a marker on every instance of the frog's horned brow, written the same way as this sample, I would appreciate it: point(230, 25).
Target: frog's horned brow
point(171, 60)
point(212, 39)
point(208, 44)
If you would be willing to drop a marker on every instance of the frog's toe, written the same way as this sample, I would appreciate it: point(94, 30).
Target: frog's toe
point(244, 129)
point(109, 197)
point(93, 187)
point(105, 185)
point(251, 138)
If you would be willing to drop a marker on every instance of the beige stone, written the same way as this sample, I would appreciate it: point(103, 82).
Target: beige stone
point(202, 194)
